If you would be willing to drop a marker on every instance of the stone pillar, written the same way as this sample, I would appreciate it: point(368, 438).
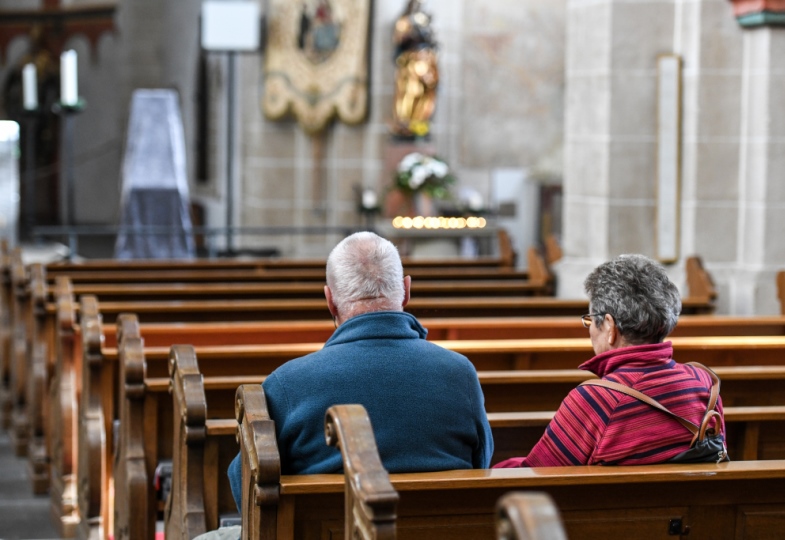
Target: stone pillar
point(733, 155)
point(761, 168)
point(734, 124)
point(610, 137)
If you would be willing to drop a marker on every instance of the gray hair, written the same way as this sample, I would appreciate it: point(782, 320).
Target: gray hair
point(638, 294)
point(364, 273)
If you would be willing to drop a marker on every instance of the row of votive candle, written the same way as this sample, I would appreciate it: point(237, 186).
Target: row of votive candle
point(69, 94)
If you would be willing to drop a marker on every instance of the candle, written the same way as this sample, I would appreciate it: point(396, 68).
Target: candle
point(30, 87)
point(69, 94)
point(369, 199)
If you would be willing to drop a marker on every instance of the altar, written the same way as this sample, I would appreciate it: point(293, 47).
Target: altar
point(442, 237)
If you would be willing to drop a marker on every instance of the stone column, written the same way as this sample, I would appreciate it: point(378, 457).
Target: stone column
point(761, 253)
point(733, 142)
point(610, 137)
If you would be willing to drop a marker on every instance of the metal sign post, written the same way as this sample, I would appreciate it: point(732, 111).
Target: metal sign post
point(230, 26)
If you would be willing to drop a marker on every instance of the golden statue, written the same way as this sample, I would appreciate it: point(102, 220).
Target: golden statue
point(417, 72)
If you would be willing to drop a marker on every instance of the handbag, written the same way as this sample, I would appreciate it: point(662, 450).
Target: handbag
point(708, 444)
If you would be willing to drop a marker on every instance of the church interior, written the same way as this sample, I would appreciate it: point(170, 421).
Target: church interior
point(554, 118)
point(525, 141)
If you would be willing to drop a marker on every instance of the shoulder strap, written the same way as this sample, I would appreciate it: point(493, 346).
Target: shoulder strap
point(697, 432)
point(642, 397)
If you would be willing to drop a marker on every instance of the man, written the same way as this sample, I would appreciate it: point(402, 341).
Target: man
point(425, 402)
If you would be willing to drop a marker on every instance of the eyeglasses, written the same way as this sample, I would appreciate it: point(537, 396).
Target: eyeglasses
point(587, 319)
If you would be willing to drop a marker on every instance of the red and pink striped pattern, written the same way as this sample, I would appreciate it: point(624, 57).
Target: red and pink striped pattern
point(599, 426)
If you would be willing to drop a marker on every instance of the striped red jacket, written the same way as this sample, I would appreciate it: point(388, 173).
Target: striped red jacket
point(599, 426)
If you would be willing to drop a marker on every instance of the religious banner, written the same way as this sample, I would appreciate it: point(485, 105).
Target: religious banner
point(316, 61)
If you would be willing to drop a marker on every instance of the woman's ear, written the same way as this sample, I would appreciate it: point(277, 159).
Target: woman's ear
point(613, 332)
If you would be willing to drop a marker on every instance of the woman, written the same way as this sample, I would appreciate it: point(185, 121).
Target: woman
point(633, 307)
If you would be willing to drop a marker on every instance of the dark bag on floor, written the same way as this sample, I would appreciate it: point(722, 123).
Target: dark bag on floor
point(707, 443)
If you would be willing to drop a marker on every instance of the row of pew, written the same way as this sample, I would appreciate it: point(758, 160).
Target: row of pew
point(123, 423)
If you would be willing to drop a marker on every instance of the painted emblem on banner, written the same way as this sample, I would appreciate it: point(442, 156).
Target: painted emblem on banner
point(316, 63)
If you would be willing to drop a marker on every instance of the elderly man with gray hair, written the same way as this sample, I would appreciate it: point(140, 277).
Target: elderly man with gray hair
point(425, 402)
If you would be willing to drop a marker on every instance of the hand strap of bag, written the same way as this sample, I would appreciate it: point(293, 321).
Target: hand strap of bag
point(698, 432)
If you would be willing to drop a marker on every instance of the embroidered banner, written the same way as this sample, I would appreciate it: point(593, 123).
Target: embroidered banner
point(316, 61)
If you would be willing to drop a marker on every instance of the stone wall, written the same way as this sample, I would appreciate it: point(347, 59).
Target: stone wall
point(731, 196)
point(499, 106)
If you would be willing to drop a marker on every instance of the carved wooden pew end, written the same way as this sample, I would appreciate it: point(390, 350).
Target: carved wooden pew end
point(369, 498)
point(528, 516)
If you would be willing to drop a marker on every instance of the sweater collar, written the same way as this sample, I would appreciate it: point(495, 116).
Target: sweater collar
point(378, 325)
point(610, 361)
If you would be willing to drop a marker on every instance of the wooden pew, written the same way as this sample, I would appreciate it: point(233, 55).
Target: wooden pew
point(526, 515)
point(6, 336)
point(22, 345)
point(300, 309)
point(504, 260)
point(737, 499)
point(580, 351)
point(370, 502)
point(755, 433)
point(492, 355)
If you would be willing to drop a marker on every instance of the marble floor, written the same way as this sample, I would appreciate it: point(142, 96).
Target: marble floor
point(22, 514)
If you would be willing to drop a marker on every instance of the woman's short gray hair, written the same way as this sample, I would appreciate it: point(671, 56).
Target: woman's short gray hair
point(365, 267)
point(637, 293)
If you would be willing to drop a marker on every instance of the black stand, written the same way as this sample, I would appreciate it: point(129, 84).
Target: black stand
point(230, 76)
point(30, 122)
point(69, 112)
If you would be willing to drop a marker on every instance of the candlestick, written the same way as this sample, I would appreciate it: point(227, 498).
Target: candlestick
point(30, 87)
point(69, 94)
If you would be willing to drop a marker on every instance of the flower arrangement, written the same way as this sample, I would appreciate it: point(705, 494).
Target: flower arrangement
point(418, 173)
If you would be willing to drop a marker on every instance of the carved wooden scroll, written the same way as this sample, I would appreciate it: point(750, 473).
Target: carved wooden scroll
point(20, 428)
point(699, 281)
point(316, 62)
point(92, 472)
point(370, 499)
point(781, 290)
point(528, 516)
point(63, 420)
point(37, 398)
point(538, 270)
point(261, 463)
point(134, 489)
point(185, 508)
point(6, 321)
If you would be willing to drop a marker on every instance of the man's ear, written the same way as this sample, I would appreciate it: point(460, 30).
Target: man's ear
point(407, 290)
point(328, 294)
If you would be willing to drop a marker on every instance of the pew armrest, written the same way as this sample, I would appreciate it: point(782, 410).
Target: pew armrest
point(370, 500)
point(260, 463)
point(530, 515)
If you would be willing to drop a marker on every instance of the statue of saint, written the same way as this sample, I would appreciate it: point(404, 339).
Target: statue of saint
point(417, 72)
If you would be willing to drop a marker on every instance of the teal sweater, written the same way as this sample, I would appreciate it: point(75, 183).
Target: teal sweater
point(425, 402)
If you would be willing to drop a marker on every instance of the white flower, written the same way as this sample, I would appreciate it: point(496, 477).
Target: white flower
point(439, 168)
point(419, 175)
point(409, 161)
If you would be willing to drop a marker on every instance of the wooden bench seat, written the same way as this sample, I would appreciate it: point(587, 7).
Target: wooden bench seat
point(729, 500)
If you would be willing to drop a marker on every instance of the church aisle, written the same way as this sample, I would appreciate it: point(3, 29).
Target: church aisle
point(22, 514)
